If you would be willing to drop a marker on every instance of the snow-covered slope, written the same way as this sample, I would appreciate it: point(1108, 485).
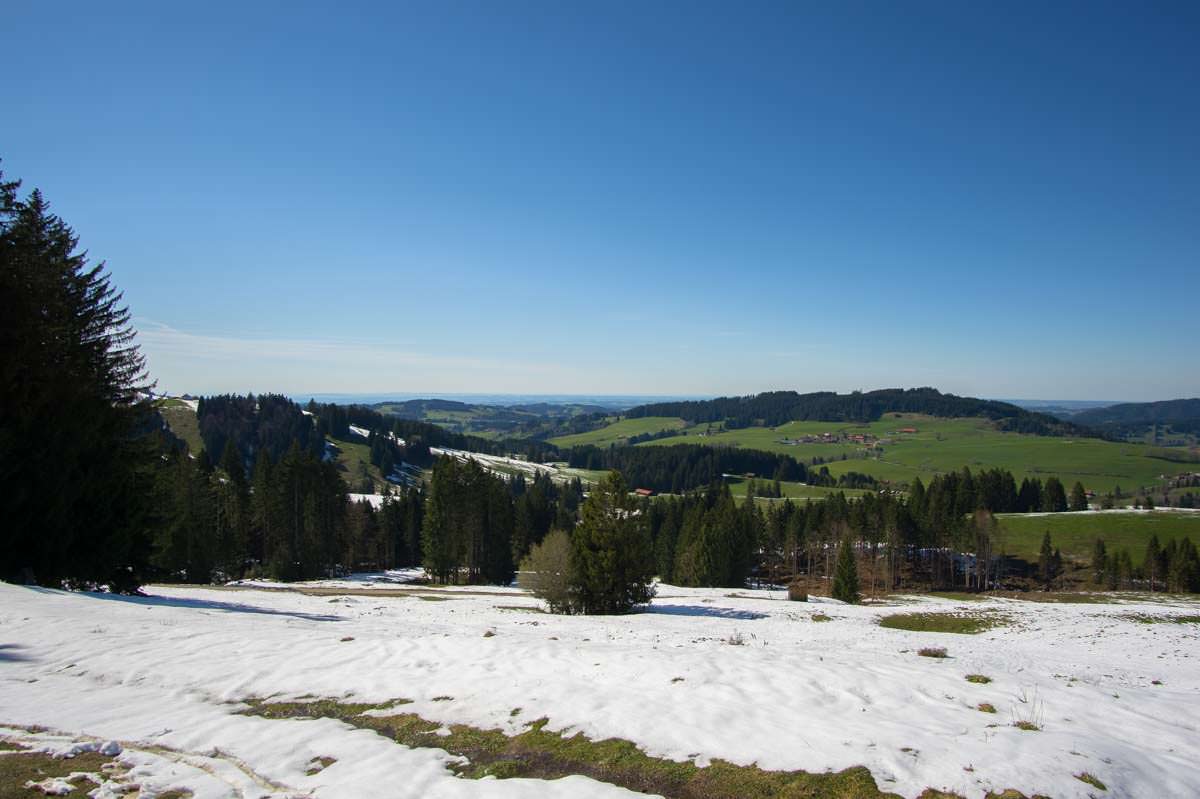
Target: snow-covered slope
point(1115, 697)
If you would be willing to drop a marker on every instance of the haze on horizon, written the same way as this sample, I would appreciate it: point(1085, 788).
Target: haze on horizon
point(666, 199)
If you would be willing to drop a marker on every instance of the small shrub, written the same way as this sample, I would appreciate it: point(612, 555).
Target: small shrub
point(1028, 726)
point(1091, 780)
point(979, 678)
point(796, 593)
point(986, 707)
point(546, 571)
point(932, 652)
point(737, 639)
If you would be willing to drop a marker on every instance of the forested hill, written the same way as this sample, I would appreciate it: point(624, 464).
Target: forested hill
point(777, 407)
point(1170, 412)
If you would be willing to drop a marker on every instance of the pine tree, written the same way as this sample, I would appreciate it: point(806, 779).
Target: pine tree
point(1078, 498)
point(76, 451)
point(845, 575)
point(1054, 497)
point(611, 561)
point(1151, 565)
point(1046, 562)
point(1100, 564)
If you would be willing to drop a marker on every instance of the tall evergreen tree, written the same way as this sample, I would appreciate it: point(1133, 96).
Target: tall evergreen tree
point(845, 575)
point(1078, 497)
point(75, 454)
point(1046, 562)
point(611, 559)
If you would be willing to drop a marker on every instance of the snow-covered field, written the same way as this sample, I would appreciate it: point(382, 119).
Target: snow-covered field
point(163, 677)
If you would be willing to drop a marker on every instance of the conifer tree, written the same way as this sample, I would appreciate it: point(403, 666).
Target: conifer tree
point(611, 560)
point(76, 453)
point(1100, 564)
point(1151, 566)
point(845, 575)
point(1046, 562)
point(1078, 497)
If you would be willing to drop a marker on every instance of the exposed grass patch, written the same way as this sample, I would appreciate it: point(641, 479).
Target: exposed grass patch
point(821, 617)
point(981, 679)
point(539, 753)
point(932, 652)
point(958, 596)
point(319, 764)
point(986, 707)
point(1147, 618)
point(520, 608)
point(965, 624)
point(1091, 780)
point(1064, 597)
point(20, 767)
point(182, 421)
point(1028, 726)
point(12, 746)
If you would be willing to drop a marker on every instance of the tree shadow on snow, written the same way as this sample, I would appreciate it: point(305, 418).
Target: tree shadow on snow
point(195, 604)
point(700, 610)
point(10, 653)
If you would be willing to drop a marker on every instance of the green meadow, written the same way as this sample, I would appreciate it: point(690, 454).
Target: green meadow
point(621, 430)
point(938, 445)
point(1076, 533)
point(793, 491)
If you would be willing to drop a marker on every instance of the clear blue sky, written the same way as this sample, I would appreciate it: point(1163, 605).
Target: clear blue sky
point(996, 199)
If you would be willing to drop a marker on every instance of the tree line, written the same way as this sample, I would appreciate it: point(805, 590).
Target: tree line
point(774, 408)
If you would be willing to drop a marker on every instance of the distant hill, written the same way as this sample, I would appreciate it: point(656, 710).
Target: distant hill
point(1129, 419)
point(779, 407)
point(521, 420)
point(1164, 412)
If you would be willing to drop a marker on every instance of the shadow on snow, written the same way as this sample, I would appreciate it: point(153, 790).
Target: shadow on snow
point(10, 653)
point(700, 610)
point(194, 604)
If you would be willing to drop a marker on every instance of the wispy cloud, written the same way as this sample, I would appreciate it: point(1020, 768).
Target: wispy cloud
point(184, 360)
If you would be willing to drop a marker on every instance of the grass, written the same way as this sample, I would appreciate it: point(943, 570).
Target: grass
point(1146, 618)
point(986, 707)
point(942, 445)
point(821, 617)
point(979, 679)
point(620, 430)
point(353, 458)
point(1028, 726)
point(1091, 780)
point(942, 622)
point(958, 596)
point(182, 420)
point(933, 652)
point(1076, 533)
point(319, 764)
point(20, 767)
point(796, 491)
point(539, 753)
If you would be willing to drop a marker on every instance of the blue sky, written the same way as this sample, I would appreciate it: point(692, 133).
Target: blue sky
point(651, 198)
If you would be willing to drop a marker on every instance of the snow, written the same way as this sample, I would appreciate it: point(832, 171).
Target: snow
point(1108, 512)
point(162, 677)
point(375, 500)
point(360, 431)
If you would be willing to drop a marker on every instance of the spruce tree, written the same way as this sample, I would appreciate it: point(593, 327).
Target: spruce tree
point(1078, 498)
point(1100, 564)
point(1046, 562)
point(845, 574)
point(76, 452)
point(611, 560)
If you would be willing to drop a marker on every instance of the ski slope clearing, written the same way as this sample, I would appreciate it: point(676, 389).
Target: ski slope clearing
point(743, 676)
